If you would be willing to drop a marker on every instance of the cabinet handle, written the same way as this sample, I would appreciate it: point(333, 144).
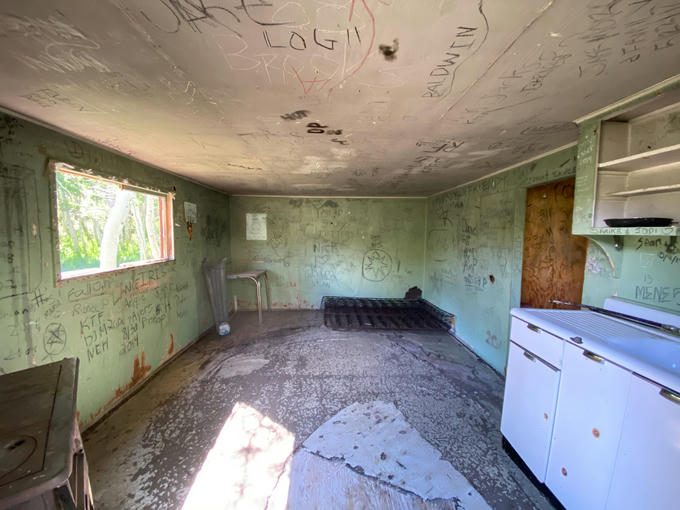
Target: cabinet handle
point(529, 356)
point(669, 395)
point(576, 339)
point(593, 356)
point(533, 328)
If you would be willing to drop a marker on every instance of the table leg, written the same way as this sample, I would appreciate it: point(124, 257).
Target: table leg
point(266, 288)
point(259, 300)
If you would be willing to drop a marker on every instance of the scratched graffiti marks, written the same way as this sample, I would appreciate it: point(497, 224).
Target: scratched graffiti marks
point(465, 42)
point(377, 265)
point(47, 98)
point(492, 340)
point(20, 254)
point(54, 338)
point(170, 15)
point(65, 48)
point(624, 32)
point(213, 229)
point(265, 37)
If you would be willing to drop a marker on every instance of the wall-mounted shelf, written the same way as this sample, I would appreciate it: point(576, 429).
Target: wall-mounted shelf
point(645, 191)
point(643, 160)
point(628, 164)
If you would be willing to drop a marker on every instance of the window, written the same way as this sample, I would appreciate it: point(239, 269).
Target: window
point(105, 225)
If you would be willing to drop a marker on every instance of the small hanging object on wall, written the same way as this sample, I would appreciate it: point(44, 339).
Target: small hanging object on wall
point(190, 217)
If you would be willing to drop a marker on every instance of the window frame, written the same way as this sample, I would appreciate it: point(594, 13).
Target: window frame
point(166, 219)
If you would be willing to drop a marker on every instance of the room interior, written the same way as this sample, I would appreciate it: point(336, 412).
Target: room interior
point(348, 148)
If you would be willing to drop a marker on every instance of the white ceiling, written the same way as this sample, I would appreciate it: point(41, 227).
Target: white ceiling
point(393, 97)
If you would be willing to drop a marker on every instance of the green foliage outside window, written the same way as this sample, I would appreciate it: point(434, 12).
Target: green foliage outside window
point(89, 208)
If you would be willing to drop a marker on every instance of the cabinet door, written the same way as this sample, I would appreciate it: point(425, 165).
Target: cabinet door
point(647, 467)
point(529, 407)
point(590, 408)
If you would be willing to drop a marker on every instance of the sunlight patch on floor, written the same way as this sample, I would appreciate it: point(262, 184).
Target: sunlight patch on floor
point(247, 461)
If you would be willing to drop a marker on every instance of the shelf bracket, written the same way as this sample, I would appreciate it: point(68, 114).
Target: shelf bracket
point(612, 250)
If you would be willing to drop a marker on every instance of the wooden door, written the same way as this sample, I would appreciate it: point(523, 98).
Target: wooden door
point(554, 260)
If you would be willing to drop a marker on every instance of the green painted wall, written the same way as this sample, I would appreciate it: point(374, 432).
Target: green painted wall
point(329, 246)
point(477, 230)
point(474, 232)
point(647, 271)
point(122, 326)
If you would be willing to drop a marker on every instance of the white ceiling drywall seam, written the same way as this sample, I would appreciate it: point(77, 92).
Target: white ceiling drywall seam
point(500, 55)
point(540, 156)
point(70, 134)
point(628, 99)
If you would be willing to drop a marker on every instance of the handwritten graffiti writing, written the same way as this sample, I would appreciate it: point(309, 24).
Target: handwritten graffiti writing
point(439, 146)
point(296, 41)
point(440, 80)
point(298, 114)
point(658, 294)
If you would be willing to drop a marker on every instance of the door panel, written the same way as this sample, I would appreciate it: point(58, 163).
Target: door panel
point(591, 404)
point(529, 407)
point(553, 260)
point(647, 467)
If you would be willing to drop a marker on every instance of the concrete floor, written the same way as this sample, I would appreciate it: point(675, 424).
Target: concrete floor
point(298, 374)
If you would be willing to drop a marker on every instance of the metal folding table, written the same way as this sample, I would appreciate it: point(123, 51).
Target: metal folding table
point(255, 277)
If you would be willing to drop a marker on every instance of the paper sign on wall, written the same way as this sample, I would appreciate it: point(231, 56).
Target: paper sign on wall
point(190, 212)
point(256, 227)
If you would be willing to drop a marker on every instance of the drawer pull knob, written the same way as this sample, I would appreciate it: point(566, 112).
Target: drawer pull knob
point(670, 395)
point(596, 433)
point(593, 356)
point(576, 339)
point(533, 328)
point(529, 356)
point(564, 471)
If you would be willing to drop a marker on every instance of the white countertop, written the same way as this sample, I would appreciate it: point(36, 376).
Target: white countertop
point(645, 351)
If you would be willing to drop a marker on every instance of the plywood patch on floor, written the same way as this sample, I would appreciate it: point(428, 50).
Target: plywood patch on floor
point(315, 482)
point(375, 439)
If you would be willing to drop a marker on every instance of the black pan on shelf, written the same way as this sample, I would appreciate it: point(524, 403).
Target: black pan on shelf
point(638, 222)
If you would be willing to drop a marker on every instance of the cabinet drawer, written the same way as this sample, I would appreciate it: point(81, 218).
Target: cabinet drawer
point(537, 341)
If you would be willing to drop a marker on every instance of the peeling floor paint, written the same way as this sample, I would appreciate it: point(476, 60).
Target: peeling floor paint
point(147, 454)
point(375, 439)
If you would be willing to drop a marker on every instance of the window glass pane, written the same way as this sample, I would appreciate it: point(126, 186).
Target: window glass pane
point(103, 226)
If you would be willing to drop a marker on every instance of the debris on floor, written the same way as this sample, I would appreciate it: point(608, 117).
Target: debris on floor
point(282, 381)
point(375, 439)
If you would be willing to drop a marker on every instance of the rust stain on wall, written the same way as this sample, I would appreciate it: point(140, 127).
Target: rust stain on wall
point(139, 371)
point(171, 349)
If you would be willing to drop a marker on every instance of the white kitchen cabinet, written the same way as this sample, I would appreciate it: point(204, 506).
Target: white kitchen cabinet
point(647, 468)
point(530, 396)
point(591, 404)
